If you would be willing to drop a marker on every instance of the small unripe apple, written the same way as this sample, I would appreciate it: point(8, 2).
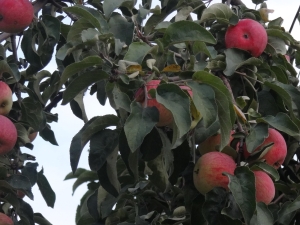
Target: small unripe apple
point(8, 135)
point(5, 220)
point(165, 115)
point(264, 186)
point(15, 15)
point(248, 35)
point(277, 152)
point(6, 100)
point(208, 171)
point(212, 143)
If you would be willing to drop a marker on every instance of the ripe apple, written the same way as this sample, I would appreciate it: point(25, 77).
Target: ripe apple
point(276, 155)
point(5, 220)
point(248, 35)
point(212, 143)
point(165, 115)
point(15, 15)
point(208, 171)
point(8, 135)
point(32, 136)
point(264, 186)
point(6, 101)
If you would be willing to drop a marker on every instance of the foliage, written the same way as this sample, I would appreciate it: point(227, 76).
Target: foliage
point(140, 173)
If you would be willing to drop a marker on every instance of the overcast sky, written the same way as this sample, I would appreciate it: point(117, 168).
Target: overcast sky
point(55, 159)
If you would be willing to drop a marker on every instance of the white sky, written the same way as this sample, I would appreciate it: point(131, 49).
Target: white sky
point(55, 160)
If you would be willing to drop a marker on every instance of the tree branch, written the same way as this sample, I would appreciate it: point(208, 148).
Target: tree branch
point(293, 23)
point(54, 102)
point(37, 6)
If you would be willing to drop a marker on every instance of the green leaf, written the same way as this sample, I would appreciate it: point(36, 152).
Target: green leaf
point(93, 126)
point(146, 118)
point(121, 99)
point(157, 172)
point(136, 52)
point(39, 219)
point(25, 213)
point(257, 135)
point(76, 174)
point(290, 96)
point(121, 28)
point(108, 176)
point(185, 31)
point(205, 102)
point(215, 201)
point(218, 11)
point(101, 145)
point(6, 68)
point(84, 177)
point(242, 186)
point(226, 113)
point(21, 182)
point(84, 13)
point(256, 2)
point(236, 58)
point(177, 101)
point(288, 208)
point(283, 123)
point(110, 5)
point(152, 146)
point(48, 135)
point(45, 188)
point(266, 168)
point(33, 114)
point(30, 171)
point(81, 83)
point(264, 216)
point(74, 68)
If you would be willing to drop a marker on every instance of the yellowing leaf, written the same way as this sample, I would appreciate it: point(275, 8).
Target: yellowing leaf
point(172, 68)
point(133, 68)
point(264, 13)
point(196, 116)
point(240, 114)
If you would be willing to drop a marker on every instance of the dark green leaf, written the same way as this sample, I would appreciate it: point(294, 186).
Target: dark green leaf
point(136, 52)
point(218, 11)
point(146, 118)
point(184, 31)
point(242, 186)
point(266, 168)
point(46, 190)
point(257, 135)
point(101, 145)
point(21, 182)
point(226, 113)
point(81, 83)
point(121, 28)
point(84, 177)
point(283, 123)
point(264, 216)
point(48, 135)
point(39, 219)
point(205, 102)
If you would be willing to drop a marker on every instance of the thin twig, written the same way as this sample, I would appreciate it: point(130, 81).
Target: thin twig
point(245, 75)
point(293, 23)
point(14, 48)
point(278, 199)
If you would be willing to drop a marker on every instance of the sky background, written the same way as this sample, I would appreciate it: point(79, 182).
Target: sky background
point(55, 159)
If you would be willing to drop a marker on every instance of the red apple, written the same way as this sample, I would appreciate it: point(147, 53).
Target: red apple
point(5, 220)
point(5, 98)
point(208, 171)
point(248, 35)
point(15, 15)
point(165, 115)
point(276, 155)
point(264, 186)
point(212, 143)
point(8, 135)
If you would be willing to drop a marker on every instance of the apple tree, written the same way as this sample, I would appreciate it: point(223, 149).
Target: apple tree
point(207, 122)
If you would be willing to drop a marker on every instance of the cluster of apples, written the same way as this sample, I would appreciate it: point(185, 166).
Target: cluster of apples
point(15, 15)
point(212, 164)
point(248, 35)
point(8, 131)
